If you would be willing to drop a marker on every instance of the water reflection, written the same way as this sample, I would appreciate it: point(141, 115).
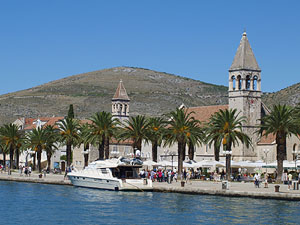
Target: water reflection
point(70, 205)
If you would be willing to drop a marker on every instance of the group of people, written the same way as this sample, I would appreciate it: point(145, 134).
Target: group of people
point(27, 170)
point(169, 175)
point(160, 175)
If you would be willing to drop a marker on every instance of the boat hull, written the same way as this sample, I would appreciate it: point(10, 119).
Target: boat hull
point(111, 184)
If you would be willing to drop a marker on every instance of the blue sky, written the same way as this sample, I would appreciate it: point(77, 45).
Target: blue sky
point(43, 41)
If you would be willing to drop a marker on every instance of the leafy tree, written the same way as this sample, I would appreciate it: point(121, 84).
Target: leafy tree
point(50, 145)
point(69, 135)
point(156, 127)
point(225, 127)
point(134, 129)
point(71, 112)
point(182, 128)
point(36, 140)
point(11, 137)
point(282, 123)
point(102, 129)
point(84, 133)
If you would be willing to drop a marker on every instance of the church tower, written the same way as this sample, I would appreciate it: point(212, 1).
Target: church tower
point(120, 103)
point(245, 95)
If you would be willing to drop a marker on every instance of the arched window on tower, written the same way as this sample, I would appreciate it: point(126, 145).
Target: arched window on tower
point(255, 83)
point(247, 82)
point(121, 107)
point(233, 82)
point(239, 80)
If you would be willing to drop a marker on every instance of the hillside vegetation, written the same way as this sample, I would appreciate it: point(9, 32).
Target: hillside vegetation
point(151, 93)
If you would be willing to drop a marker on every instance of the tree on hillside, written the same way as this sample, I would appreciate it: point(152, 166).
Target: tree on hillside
point(282, 123)
point(71, 112)
point(134, 129)
point(182, 128)
point(225, 128)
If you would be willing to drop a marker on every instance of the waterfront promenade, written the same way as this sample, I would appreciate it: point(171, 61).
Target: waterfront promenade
point(236, 189)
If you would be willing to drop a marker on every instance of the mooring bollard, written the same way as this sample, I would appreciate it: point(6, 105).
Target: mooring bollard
point(182, 183)
point(277, 188)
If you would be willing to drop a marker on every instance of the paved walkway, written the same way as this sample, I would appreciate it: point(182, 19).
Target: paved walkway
point(195, 187)
point(34, 178)
point(235, 189)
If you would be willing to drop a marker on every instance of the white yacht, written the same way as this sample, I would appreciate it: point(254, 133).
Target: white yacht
point(112, 174)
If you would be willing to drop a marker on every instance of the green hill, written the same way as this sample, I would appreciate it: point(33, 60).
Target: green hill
point(151, 93)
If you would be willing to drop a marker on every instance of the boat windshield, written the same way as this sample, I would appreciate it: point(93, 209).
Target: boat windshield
point(125, 172)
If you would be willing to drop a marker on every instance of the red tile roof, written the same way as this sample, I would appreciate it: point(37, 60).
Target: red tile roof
point(121, 93)
point(270, 139)
point(203, 113)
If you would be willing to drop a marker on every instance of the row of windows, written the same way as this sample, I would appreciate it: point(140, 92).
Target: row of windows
point(238, 80)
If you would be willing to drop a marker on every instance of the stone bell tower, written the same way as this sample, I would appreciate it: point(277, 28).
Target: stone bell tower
point(120, 103)
point(245, 95)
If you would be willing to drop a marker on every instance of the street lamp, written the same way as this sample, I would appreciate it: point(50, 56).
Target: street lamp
point(266, 151)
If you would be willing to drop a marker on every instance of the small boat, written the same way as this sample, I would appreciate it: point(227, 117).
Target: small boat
point(112, 174)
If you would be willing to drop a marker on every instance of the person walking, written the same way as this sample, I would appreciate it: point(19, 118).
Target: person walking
point(290, 178)
point(256, 180)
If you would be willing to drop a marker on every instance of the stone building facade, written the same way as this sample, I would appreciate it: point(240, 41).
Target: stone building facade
point(244, 95)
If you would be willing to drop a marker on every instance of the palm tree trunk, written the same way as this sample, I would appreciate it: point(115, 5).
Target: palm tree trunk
point(101, 149)
point(180, 163)
point(191, 151)
point(217, 152)
point(228, 167)
point(139, 145)
point(106, 147)
point(4, 160)
point(17, 157)
point(181, 155)
point(34, 161)
point(154, 151)
point(86, 156)
point(69, 150)
point(49, 160)
point(11, 157)
point(281, 154)
point(39, 156)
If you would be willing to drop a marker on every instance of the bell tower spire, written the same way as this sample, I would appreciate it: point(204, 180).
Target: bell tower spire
point(245, 93)
point(120, 103)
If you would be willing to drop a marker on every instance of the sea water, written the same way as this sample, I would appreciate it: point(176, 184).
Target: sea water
point(27, 203)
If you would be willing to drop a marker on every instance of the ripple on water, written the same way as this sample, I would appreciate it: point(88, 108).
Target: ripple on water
point(26, 203)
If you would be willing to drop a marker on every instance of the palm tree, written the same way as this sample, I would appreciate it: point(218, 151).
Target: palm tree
point(69, 135)
point(11, 136)
point(50, 145)
point(84, 132)
point(214, 137)
point(281, 122)
point(156, 127)
point(182, 128)
point(4, 151)
point(102, 129)
point(225, 128)
point(36, 140)
point(134, 129)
